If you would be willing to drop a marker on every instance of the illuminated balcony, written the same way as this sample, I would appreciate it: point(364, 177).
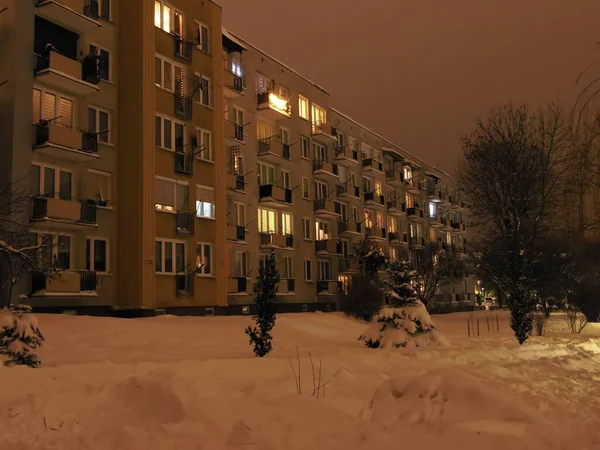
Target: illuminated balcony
point(325, 209)
point(272, 107)
point(325, 130)
point(347, 190)
point(349, 228)
point(69, 283)
point(376, 233)
point(273, 150)
point(237, 285)
point(66, 74)
point(396, 208)
point(372, 165)
point(233, 84)
point(60, 213)
point(274, 196)
point(234, 133)
point(346, 156)
point(79, 16)
point(328, 247)
point(372, 198)
point(65, 143)
point(325, 169)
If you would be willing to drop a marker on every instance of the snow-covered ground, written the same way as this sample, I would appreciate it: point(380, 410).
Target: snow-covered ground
point(192, 383)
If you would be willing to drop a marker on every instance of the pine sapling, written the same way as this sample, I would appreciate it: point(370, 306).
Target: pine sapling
point(20, 336)
point(264, 290)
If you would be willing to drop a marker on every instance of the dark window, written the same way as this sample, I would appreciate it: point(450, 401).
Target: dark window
point(105, 9)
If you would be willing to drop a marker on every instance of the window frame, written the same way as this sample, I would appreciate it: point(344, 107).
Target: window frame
point(307, 180)
point(109, 176)
point(174, 122)
point(308, 274)
point(270, 213)
point(210, 151)
point(57, 170)
point(101, 48)
point(58, 96)
point(201, 272)
point(174, 182)
point(89, 242)
point(198, 204)
point(99, 110)
point(198, 26)
point(306, 227)
point(174, 243)
point(305, 151)
point(301, 100)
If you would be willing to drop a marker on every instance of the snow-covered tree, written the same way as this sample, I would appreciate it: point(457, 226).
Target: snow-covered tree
point(20, 335)
point(265, 290)
point(405, 320)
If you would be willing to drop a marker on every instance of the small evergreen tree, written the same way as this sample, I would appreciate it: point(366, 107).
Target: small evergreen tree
point(264, 290)
point(405, 319)
point(20, 336)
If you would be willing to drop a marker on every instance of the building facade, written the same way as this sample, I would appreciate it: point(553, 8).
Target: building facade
point(165, 157)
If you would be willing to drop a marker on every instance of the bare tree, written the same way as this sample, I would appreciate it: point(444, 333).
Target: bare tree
point(514, 172)
point(20, 246)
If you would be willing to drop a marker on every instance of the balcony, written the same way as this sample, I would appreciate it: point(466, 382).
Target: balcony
point(64, 143)
point(347, 190)
point(328, 247)
point(66, 74)
point(237, 285)
point(183, 48)
point(349, 228)
point(346, 156)
point(81, 17)
point(396, 208)
point(446, 223)
point(274, 196)
point(286, 286)
point(184, 223)
point(395, 237)
point(325, 169)
point(376, 233)
point(233, 84)
point(457, 226)
point(328, 287)
point(184, 284)
point(348, 265)
point(412, 185)
point(68, 283)
point(270, 240)
point(372, 198)
point(325, 130)
point(184, 163)
point(415, 213)
point(416, 241)
point(272, 107)
point(371, 164)
point(436, 221)
point(432, 190)
point(235, 182)
point(272, 150)
point(326, 209)
point(236, 232)
point(233, 133)
point(394, 177)
point(182, 105)
point(63, 213)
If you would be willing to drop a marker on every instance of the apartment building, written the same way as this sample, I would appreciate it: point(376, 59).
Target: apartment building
point(309, 182)
point(164, 157)
point(112, 116)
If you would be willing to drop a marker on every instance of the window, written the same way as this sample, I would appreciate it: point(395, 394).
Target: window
point(205, 202)
point(236, 161)
point(240, 209)
point(321, 231)
point(303, 107)
point(205, 152)
point(284, 135)
point(267, 221)
point(286, 223)
point(171, 195)
point(319, 152)
point(63, 252)
point(204, 258)
point(354, 213)
point(378, 187)
point(99, 123)
point(238, 115)
point(367, 184)
point(378, 220)
point(319, 117)
point(306, 228)
point(285, 179)
point(320, 190)
point(283, 92)
point(343, 212)
point(97, 186)
point(432, 210)
point(205, 90)
point(392, 225)
point(236, 68)
point(163, 15)
point(345, 248)
point(305, 188)
point(168, 74)
point(240, 264)
point(324, 269)
point(308, 270)
point(341, 140)
point(304, 147)
point(288, 268)
point(103, 63)
point(264, 129)
point(262, 261)
point(409, 200)
point(169, 256)
point(368, 218)
point(55, 251)
point(170, 134)
point(51, 182)
point(352, 144)
point(203, 37)
point(96, 255)
point(48, 105)
point(263, 84)
point(407, 172)
point(394, 253)
point(266, 174)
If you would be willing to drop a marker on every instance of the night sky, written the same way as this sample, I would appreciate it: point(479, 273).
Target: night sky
point(420, 71)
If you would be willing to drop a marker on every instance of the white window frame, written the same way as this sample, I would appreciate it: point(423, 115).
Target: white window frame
point(199, 205)
point(307, 263)
point(173, 9)
point(57, 96)
point(205, 154)
point(109, 176)
point(173, 63)
point(321, 230)
point(210, 96)
point(240, 207)
point(432, 210)
point(306, 227)
point(243, 256)
point(303, 101)
point(98, 110)
point(318, 116)
point(173, 121)
point(173, 243)
point(110, 10)
point(110, 59)
point(174, 182)
point(321, 190)
point(57, 170)
point(203, 272)
point(202, 46)
point(288, 266)
point(273, 170)
point(286, 179)
point(307, 181)
point(319, 152)
point(321, 265)
point(270, 228)
point(287, 228)
point(304, 151)
point(90, 241)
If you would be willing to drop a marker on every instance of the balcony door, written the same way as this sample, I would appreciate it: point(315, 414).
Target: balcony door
point(324, 270)
point(266, 174)
point(51, 182)
point(321, 231)
point(320, 190)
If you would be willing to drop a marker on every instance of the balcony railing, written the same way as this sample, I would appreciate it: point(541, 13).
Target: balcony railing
point(54, 134)
point(395, 205)
point(345, 153)
point(233, 82)
point(349, 227)
point(394, 175)
point(83, 211)
point(324, 129)
point(379, 233)
point(183, 48)
point(328, 246)
point(276, 193)
point(184, 223)
point(86, 71)
point(184, 284)
point(237, 285)
point(371, 163)
point(324, 206)
point(184, 163)
point(286, 286)
point(414, 212)
point(324, 166)
point(233, 131)
point(273, 239)
point(375, 198)
point(329, 287)
point(236, 232)
point(183, 105)
point(270, 145)
point(412, 183)
point(347, 189)
point(68, 282)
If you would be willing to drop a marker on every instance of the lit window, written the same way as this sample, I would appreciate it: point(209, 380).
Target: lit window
point(267, 221)
point(205, 202)
point(432, 210)
point(204, 263)
point(303, 107)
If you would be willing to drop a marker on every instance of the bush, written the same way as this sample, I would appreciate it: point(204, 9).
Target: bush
point(539, 322)
point(586, 297)
point(363, 298)
point(20, 336)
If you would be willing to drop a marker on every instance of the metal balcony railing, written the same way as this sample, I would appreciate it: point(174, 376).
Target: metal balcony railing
point(185, 223)
point(184, 163)
point(184, 284)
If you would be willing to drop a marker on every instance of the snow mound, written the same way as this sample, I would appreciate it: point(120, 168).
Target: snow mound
point(450, 397)
point(407, 326)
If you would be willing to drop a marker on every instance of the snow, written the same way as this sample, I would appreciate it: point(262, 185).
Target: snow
point(193, 383)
